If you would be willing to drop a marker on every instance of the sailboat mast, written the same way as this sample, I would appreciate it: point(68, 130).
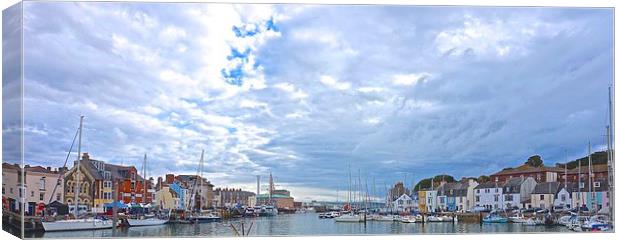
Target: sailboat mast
point(349, 198)
point(76, 190)
point(144, 182)
point(610, 158)
point(579, 185)
point(200, 188)
point(590, 175)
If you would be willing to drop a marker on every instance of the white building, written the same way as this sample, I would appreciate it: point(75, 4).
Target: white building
point(489, 195)
point(404, 203)
point(516, 190)
point(431, 201)
point(563, 198)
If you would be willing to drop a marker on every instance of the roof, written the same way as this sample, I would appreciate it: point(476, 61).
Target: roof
point(489, 185)
point(514, 184)
point(527, 169)
point(116, 171)
point(547, 188)
point(10, 166)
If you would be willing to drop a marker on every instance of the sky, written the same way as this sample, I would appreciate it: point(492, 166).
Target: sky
point(307, 92)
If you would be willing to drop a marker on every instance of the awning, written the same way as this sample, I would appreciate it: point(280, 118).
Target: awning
point(117, 203)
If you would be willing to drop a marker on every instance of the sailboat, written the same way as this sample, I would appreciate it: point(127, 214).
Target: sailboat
point(77, 224)
point(200, 216)
point(350, 216)
point(144, 220)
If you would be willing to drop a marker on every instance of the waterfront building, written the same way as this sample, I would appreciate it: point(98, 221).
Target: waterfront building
point(544, 194)
point(468, 188)
point(404, 203)
point(489, 195)
point(204, 193)
point(430, 197)
point(422, 201)
point(231, 197)
point(97, 180)
point(446, 196)
point(597, 200)
point(563, 200)
point(540, 173)
point(168, 198)
point(457, 196)
point(11, 187)
point(515, 190)
point(600, 173)
point(39, 184)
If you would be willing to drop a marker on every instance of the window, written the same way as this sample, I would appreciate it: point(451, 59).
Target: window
point(11, 190)
point(3, 190)
point(42, 184)
point(597, 184)
point(41, 196)
point(477, 190)
point(497, 190)
point(31, 193)
point(133, 185)
point(477, 198)
point(542, 197)
point(58, 197)
point(496, 197)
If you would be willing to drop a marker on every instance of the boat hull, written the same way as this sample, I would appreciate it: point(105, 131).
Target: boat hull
point(145, 222)
point(76, 225)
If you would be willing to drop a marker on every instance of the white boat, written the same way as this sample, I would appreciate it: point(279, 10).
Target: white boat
point(517, 219)
point(146, 222)
point(408, 219)
point(384, 218)
point(203, 218)
point(77, 224)
point(350, 218)
point(529, 222)
point(434, 219)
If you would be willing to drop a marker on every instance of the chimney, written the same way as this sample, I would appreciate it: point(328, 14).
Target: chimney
point(85, 156)
point(49, 169)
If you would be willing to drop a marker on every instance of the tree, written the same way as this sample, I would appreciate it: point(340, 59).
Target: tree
point(484, 178)
point(426, 183)
point(535, 161)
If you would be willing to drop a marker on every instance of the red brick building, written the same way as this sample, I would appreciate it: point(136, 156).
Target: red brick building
point(540, 174)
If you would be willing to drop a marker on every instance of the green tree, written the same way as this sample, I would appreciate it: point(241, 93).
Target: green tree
point(483, 178)
point(535, 161)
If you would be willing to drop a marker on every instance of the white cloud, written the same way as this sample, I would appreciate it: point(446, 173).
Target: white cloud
point(410, 79)
point(334, 83)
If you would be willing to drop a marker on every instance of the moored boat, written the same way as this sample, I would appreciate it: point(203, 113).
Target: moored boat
point(350, 218)
point(77, 224)
point(146, 222)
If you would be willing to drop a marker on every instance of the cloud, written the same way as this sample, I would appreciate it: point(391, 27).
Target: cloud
point(333, 83)
point(410, 79)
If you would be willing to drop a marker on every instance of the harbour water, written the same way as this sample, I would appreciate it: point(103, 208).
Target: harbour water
point(299, 225)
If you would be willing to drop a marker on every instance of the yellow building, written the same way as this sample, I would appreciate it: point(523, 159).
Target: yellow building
point(422, 201)
point(544, 194)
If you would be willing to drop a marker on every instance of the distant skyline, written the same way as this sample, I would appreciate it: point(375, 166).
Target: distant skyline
point(303, 91)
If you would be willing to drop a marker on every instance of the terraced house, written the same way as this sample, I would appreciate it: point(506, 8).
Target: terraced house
point(489, 195)
point(517, 190)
